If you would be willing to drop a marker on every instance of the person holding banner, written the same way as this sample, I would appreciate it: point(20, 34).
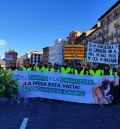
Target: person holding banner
point(82, 70)
point(95, 71)
point(65, 68)
point(78, 69)
point(45, 68)
point(39, 67)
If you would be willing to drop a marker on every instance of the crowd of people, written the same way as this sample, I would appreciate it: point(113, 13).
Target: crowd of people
point(95, 70)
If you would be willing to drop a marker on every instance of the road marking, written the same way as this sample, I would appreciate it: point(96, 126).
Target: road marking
point(24, 123)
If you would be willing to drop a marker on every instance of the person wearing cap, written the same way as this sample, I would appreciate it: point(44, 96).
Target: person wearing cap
point(95, 71)
point(65, 68)
point(107, 71)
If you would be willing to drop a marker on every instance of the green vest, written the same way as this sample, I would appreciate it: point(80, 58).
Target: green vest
point(71, 70)
point(37, 68)
point(16, 69)
point(26, 69)
point(95, 73)
point(115, 73)
point(67, 70)
point(82, 72)
point(44, 69)
point(52, 70)
point(47, 69)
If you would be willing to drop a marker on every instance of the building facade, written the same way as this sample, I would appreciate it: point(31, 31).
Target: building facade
point(56, 54)
point(110, 24)
point(33, 57)
point(95, 35)
point(45, 55)
point(109, 29)
point(11, 59)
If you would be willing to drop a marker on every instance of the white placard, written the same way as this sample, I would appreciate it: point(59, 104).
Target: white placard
point(102, 53)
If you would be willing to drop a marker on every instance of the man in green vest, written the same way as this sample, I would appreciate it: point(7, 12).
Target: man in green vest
point(65, 68)
point(71, 66)
point(82, 70)
point(95, 71)
point(39, 67)
point(78, 69)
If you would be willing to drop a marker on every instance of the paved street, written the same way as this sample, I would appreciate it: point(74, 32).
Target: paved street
point(59, 115)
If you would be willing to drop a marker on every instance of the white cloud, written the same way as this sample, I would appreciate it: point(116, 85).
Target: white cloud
point(2, 42)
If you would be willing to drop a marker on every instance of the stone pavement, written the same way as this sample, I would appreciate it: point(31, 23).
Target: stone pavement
point(59, 115)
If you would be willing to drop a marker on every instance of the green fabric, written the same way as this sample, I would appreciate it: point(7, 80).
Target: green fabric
point(95, 73)
point(82, 72)
point(52, 69)
point(36, 68)
point(75, 71)
point(67, 70)
point(26, 69)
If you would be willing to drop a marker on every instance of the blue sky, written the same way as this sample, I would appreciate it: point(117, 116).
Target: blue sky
point(27, 25)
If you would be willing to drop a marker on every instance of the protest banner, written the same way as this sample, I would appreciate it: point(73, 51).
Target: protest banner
point(102, 53)
point(74, 52)
point(66, 87)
